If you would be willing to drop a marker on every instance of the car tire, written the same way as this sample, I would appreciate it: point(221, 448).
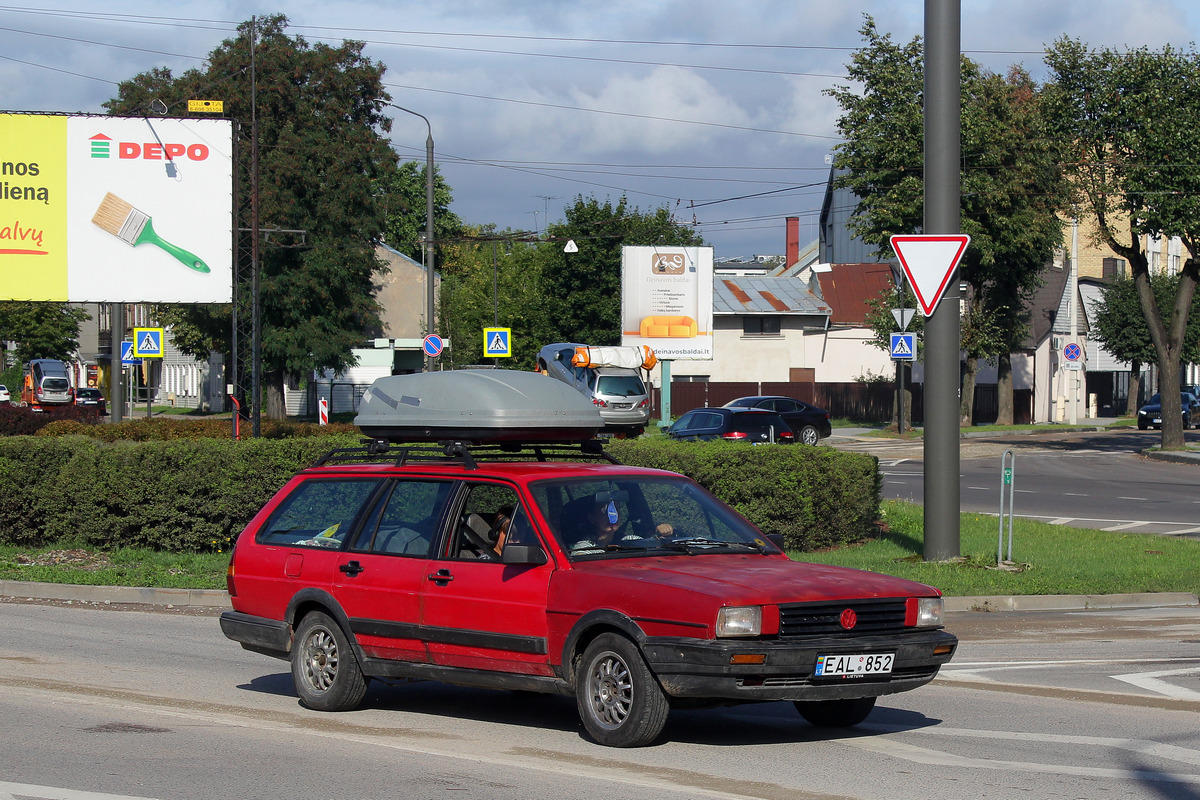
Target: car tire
point(324, 668)
point(835, 713)
point(809, 435)
point(1142, 425)
point(620, 701)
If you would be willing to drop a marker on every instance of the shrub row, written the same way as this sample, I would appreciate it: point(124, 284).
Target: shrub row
point(22, 421)
point(816, 497)
point(196, 494)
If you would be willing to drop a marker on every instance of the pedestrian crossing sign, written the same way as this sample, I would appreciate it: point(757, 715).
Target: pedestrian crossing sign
point(148, 342)
point(904, 346)
point(497, 342)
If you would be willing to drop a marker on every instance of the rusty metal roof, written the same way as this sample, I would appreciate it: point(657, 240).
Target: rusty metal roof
point(848, 287)
point(746, 294)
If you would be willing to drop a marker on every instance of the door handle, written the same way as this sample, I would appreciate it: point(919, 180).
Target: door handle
point(441, 576)
point(351, 568)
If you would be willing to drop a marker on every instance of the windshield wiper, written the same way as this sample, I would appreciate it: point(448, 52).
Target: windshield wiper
point(699, 541)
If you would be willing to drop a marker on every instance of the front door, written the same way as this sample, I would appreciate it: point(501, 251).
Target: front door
point(478, 612)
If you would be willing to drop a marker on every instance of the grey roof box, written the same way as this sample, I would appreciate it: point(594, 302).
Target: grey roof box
point(476, 406)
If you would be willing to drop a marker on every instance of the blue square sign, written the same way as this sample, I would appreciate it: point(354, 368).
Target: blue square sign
point(904, 346)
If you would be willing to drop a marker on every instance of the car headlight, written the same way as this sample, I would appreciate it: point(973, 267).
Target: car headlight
point(739, 621)
point(929, 611)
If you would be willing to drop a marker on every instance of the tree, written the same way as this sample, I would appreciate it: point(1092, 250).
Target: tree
point(321, 156)
point(40, 330)
point(1120, 326)
point(1130, 119)
point(583, 290)
point(1011, 184)
point(491, 278)
point(404, 195)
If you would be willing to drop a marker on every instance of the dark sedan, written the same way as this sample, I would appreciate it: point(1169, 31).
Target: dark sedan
point(809, 423)
point(733, 424)
point(91, 398)
point(1150, 415)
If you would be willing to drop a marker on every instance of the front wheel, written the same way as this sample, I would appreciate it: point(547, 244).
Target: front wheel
point(1142, 425)
point(835, 713)
point(809, 435)
point(620, 701)
point(324, 668)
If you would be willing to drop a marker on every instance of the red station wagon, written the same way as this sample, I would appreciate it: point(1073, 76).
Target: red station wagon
point(632, 589)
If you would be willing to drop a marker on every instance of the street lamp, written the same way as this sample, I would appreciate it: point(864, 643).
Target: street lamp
point(428, 235)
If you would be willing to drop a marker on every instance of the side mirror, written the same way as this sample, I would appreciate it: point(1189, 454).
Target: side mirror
point(777, 540)
point(527, 554)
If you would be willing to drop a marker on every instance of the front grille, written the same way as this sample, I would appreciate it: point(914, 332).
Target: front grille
point(822, 619)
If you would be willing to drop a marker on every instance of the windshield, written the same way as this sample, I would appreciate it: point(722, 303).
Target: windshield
point(620, 385)
point(637, 516)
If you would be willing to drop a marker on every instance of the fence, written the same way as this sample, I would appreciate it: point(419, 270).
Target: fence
point(866, 402)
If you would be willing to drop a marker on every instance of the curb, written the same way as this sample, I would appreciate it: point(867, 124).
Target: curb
point(219, 598)
point(1174, 456)
point(144, 595)
point(1071, 602)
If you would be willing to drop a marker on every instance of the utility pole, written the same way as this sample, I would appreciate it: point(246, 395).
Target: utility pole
point(943, 131)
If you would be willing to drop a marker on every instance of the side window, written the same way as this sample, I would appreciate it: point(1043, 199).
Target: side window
point(408, 522)
point(489, 515)
point(684, 422)
point(318, 513)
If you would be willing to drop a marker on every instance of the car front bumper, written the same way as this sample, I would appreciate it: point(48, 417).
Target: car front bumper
point(704, 669)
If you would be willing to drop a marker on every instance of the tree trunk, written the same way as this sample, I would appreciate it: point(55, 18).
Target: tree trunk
point(273, 385)
point(1004, 389)
point(966, 407)
point(1135, 387)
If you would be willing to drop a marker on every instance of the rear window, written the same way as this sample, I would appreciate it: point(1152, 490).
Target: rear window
point(621, 385)
point(55, 384)
point(318, 513)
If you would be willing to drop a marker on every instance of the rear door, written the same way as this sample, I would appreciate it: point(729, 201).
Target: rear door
point(378, 581)
point(479, 613)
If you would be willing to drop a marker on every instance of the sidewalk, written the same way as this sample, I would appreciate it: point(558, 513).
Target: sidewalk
point(218, 600)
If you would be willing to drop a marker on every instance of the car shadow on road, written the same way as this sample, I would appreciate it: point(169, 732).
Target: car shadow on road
point(777, 723)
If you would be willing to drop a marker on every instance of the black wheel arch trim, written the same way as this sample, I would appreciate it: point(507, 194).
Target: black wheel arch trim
point(589, 624)
point(327, 604)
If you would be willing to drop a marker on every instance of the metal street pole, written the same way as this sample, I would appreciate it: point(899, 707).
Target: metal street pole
point(428, 235)
point(942, 334)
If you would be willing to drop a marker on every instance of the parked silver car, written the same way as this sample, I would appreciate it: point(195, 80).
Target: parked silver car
point(619, 392)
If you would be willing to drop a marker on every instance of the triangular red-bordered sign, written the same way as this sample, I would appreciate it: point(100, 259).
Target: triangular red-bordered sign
point(929, 260)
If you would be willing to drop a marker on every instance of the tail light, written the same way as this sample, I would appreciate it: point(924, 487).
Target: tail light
point(734, 435)
point(596, 401)
point(229, 585)
point(644, 404)
point(789, 436)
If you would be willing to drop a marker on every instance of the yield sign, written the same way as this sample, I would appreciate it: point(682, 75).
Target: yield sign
point(929, 260)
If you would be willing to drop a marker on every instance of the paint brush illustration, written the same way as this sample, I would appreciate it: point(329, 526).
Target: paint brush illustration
point(133, 227)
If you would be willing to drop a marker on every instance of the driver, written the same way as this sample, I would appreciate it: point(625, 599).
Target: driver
point(598, 527)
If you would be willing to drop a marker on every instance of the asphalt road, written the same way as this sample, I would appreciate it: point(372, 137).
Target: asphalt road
point(1090, 480)
point(153, 705)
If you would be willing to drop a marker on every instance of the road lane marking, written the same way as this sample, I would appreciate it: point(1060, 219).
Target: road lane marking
point(886, 745)
point(26, 791)
point(1138, 499)
point(1125, 526)
point(1150, 682)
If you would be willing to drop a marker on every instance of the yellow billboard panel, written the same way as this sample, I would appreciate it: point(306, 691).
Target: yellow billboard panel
point(33, 207)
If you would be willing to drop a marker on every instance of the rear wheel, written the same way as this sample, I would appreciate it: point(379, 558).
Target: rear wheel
point(324, 669)
point(620, 701)
point(809, 435)
point(835, 713)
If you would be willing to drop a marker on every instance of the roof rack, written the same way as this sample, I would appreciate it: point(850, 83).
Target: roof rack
point(464, 452)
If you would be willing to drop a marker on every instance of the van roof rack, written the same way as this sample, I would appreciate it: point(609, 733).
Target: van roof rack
point(465, 452)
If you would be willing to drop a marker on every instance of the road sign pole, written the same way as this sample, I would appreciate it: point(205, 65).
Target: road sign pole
point(942, 189)
point(116, 396)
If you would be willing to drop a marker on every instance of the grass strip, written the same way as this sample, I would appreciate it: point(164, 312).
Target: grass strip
point(1049, 559)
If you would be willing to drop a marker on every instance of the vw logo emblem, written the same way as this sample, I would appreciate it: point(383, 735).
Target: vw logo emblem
point(848, 619)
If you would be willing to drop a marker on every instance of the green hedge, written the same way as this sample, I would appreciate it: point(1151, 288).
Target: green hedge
point(175, 495)
point(816, 497)
point(197, 494)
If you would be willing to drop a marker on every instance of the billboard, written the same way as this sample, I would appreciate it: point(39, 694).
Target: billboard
point(667, 300)
point(116, 209)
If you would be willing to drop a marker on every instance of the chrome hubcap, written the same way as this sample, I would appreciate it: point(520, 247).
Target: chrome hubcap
point(320, 659)
point(610, 691)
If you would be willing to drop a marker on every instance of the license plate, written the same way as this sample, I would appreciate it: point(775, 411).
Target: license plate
point(622, 405)
point(850, 665)
point(1157, 420)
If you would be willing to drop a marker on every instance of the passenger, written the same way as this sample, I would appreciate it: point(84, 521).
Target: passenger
point(598, 527)
point(500, 527)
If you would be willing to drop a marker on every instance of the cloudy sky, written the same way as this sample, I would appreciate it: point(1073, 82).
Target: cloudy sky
point(713, 109)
